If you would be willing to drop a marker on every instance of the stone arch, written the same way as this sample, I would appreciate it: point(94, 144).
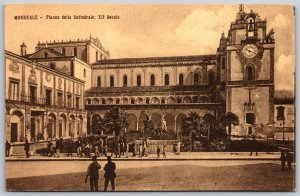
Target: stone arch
point(170, 122)
point(195, 99)
point(179, 100)
point(51, 126)
point(142, 118)
point(88, 101)
point(125, 100)
point(110, 101)
point(132, 122)
point(147, 100)
point(132, 100)
point(139, 100)
point(178, 121)
point(95, 101)
point(17, 129)
point(171, 100)
point(155, 100)
point(156, 119)
point(62, 125)
point(187, 99)
point(203, 99)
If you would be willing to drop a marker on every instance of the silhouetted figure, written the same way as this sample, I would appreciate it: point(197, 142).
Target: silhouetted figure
point(283, 160)
point(253, 146)
point(109, 174)
point(7, 148)
point(27, 148)
point(289, 159)
point(93, 173)
point(158, 152)
point(164, 151)
point(70, 148)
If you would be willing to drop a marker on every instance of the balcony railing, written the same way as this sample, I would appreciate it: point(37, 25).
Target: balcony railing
point(44, 102)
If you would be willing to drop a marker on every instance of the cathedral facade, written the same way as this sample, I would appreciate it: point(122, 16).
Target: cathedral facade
point(59, 89)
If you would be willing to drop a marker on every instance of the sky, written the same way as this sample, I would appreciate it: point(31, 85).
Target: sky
point(152, 30)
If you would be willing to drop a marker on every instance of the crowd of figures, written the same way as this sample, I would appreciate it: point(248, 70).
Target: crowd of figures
point(85, 147)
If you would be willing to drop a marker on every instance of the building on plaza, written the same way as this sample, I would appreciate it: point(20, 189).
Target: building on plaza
point(63, 85)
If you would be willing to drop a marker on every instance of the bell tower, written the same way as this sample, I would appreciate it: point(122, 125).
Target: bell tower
point(246, 64)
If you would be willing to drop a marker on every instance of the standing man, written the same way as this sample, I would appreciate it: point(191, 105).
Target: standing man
point(109, 174)
point(27, 148)
point(158, 151)
point(253, 146)
point(93, 173)
point(164, 151)
point(283, 159)
point(7, 148)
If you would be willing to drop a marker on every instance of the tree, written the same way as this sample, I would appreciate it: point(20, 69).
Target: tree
point(230, 119)
point(190, 126)
point(116, 120)
point(97, 125)
point(210, 122)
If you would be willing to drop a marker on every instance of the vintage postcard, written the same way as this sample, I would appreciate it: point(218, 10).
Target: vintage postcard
point(117, 97)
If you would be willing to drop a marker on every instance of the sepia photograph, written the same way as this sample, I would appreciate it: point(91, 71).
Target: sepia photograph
point(149, 97)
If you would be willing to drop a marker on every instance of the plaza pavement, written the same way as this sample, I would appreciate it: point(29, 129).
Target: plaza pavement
point(153, 157)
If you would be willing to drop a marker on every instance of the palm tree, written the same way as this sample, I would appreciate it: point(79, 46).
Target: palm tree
point(228, 120)
point(210, 122)
point(190, 126)
point(116, 120)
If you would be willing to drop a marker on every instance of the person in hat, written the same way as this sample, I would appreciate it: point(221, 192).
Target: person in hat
point(109, 174)
point(93, 173)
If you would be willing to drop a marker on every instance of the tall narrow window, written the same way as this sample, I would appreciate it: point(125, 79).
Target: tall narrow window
point(196, 78)
point(112, 81)
point(32, 94)
point(167, 80)
point(124, 80)
point(63, 51)
point(75, 51)
point(48, 97)
point(138, 80)
point(152, 80)
point(14, 90)
point(181, 79)
point(77, 103)
point(96, 55)
point(249, 72)
point(46, 55)
point(84, 73)
point(98, 81)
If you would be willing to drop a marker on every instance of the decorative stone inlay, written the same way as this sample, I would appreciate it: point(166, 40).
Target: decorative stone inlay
point(48, 77)
point(14, 67)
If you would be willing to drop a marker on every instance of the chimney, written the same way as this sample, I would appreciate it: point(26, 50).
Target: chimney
point(23, 49)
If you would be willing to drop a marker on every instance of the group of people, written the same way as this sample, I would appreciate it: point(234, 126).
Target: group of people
point(163, 151)
point(93, 173)
point(286, 157)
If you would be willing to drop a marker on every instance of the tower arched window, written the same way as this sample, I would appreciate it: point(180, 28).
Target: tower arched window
point(46, 55)
point(196, 78)
point(124, 80)
point(181, 79)
point(52, 66)
point(75, 51)
point(112, 81)
point(63, 51)
point(249, 73)
point(138, 80)
point(152, 80)
point(167, 80)
point(98, 81)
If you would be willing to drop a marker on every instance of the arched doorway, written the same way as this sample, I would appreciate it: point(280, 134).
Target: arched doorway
point(156, 119)
point(62, 126)
point(72, 126)
point(51, 126)
point(132, 122)
point(179, 119)
point(142, 118)
point(170, 121)
point(17, 127)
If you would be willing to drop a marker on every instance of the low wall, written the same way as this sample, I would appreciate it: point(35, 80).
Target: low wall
point(171, 145)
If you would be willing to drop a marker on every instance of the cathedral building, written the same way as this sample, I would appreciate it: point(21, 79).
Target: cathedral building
point(59, 89)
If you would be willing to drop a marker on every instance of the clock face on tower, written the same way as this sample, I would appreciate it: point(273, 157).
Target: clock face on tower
point(250, 50)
